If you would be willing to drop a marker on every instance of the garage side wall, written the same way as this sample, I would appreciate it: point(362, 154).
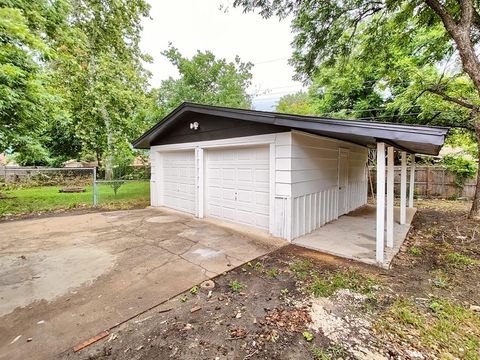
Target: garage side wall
point(314, 181)
point(357, 191)
point(282, 221)
point(156, 175)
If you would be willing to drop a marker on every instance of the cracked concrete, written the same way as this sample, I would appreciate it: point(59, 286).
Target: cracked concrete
point(65, 279)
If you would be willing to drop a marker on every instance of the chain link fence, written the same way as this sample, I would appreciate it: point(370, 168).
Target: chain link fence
point(128, 185)
point(26, 190)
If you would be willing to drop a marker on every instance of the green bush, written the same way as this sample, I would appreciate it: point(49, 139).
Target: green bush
point(461, 167)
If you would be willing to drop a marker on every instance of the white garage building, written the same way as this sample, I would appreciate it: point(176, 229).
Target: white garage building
point(283, 174)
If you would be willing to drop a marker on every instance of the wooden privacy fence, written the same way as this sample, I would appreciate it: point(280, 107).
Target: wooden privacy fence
point(431, 182)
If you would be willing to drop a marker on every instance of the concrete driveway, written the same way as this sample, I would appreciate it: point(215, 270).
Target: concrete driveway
point(64, 279)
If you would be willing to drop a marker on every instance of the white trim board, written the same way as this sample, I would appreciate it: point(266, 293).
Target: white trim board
point(229, 142)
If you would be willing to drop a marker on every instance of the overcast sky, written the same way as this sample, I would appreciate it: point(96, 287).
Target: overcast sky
point(202, 25)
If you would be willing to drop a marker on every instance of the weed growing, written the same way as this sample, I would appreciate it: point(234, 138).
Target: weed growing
point(326, 285)
point(458, 260)
point(301, 268)
point(336, 351)
point(416, 251)
point(272, 272)
point(236, 286)
point(452, 330)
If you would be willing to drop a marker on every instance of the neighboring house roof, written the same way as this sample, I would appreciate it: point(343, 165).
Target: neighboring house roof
point(6, 161)
point(3, 159)
point(140, 161)
point(412, 138)
point(72, 163)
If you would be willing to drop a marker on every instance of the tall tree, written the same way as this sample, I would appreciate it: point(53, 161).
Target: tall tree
point(71, 78)
point(205, 79)
point(101, 73)
point(299, 103)
point(27, 102)
point(326, 30)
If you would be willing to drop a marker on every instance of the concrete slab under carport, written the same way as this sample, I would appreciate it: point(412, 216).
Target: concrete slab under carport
point(353, 236)
point(64, 279)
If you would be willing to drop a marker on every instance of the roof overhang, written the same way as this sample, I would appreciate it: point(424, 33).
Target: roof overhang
point(418, 139)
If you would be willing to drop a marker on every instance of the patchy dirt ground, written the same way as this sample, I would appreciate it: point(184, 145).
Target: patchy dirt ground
point(80, 209)
point(299, 304)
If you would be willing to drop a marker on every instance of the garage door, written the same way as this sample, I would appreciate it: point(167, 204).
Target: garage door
point(179, 180)
point(237, 185)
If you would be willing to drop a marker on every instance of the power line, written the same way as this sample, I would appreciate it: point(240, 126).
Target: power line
point(360, 110)
point(266, 99)
point(268, 88)
point(335, 92)
point(270, 61)
point(286, 92)
point(283, 87)
point(347, 111)
point(390, 116)
point(354, 88)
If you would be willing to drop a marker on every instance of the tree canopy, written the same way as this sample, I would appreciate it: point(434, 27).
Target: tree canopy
point(26, 99)
point(73, 83)
point(387, 60)
point(205, 79)
point(324, 30)
point(391, 83)
point(72, 78)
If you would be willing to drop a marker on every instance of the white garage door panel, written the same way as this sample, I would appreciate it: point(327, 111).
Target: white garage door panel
point(238, 185)
point(179, 180)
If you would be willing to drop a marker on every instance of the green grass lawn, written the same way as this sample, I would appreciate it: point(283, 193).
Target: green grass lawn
point(41, 199)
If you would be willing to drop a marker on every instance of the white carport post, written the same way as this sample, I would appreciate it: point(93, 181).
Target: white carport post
point(411, 191)
point(403, 189)
point(390, 196)
point(380, 238)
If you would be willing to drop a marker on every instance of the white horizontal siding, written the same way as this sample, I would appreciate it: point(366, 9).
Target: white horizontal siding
point(283, 165)
point(282, 186)
point(314, 180)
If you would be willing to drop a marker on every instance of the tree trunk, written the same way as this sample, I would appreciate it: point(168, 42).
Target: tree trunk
point(461, 33)
point(99, 158)
point(475, 210)
point(470, 62)
point(109, 157)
